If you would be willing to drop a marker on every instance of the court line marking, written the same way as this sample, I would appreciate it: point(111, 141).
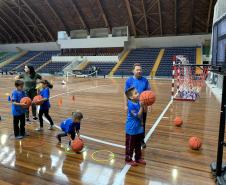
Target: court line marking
point(150, 132)
point(68, 92)
point(96, 140)
point(111, 156)
point(120, 178)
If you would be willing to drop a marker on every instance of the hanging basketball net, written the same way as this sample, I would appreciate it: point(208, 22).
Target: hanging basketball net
point(187, 78)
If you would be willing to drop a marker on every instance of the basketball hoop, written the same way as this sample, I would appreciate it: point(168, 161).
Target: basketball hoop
point(189, 79)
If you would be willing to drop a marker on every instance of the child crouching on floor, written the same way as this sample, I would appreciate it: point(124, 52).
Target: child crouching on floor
point(70, 127)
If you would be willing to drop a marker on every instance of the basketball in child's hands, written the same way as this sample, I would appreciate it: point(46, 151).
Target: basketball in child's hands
point(147, 98)
point(77, 145)
point(37, 99)
point(26, 101)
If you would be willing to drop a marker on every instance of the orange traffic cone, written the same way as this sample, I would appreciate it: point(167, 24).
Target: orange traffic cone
point(60, 102)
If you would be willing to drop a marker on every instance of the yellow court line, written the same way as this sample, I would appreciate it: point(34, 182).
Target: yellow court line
point(122, 59)
point(157, 62)
point(198, 60)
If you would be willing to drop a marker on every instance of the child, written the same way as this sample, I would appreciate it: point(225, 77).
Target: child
point(45, 106)
point(18, 110)
point(70, 127)
point(134, 128)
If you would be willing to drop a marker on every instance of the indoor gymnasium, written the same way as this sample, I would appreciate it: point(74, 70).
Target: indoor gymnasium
point(112, 92)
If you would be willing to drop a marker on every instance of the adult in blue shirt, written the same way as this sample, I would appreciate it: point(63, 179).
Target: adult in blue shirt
point(141, 84)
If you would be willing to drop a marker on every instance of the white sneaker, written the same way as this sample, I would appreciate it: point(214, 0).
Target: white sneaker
point(68, 148)
point(50, 127)
point(39, 129)
point(19, 137)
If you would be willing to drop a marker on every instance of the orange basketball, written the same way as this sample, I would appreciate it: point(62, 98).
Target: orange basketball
point(147, 97)
point(178, 121)
point(36, 100)
point(195, 143)
point(77, 145)
point(27, 101)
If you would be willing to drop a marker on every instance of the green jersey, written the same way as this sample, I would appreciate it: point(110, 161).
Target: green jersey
point(29, 83)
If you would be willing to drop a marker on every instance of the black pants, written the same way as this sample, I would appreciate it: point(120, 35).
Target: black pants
point(64, 134)
point(46, 113)
point(133, 145)
point(19, 125)
point(144, 123)
point(31, 94)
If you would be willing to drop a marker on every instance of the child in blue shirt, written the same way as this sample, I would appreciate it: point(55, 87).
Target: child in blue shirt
point(70, 127)
point(45, 106)
point(18, 110)
point(141, 84)
point(134, 129)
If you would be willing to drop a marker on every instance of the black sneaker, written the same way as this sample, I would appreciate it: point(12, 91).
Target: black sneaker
point(35, 118)
point(143, 144)
point(28, 120)
point(59, 141)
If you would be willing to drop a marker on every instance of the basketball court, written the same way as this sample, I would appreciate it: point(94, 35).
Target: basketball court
point(38, 160)
point(95, 67)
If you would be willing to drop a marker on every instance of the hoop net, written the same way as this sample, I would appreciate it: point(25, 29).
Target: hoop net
point(189, 79)
point(81, 75)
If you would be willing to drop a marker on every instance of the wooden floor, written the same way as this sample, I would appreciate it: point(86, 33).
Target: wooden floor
point(37, 160)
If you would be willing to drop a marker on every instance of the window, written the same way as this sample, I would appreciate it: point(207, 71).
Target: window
point(219, 42)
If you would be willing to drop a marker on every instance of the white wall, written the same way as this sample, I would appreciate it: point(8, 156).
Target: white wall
point(170, 41)
point(89, 58)
point(102, 58)
point(93, 42)
point(65, 58)
point(151, 42)
point(45, 46)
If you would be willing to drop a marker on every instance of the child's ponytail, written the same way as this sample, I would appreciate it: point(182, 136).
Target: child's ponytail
point(46, 82)
point(49, 84)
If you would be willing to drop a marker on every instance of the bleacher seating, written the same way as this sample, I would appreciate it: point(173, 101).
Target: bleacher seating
point(54, 67)
point(145, 56)
point(165, 67)
point(103, 68)
point(2, 53)
point(6, 55)
point(21, 60)
point(40, 60)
